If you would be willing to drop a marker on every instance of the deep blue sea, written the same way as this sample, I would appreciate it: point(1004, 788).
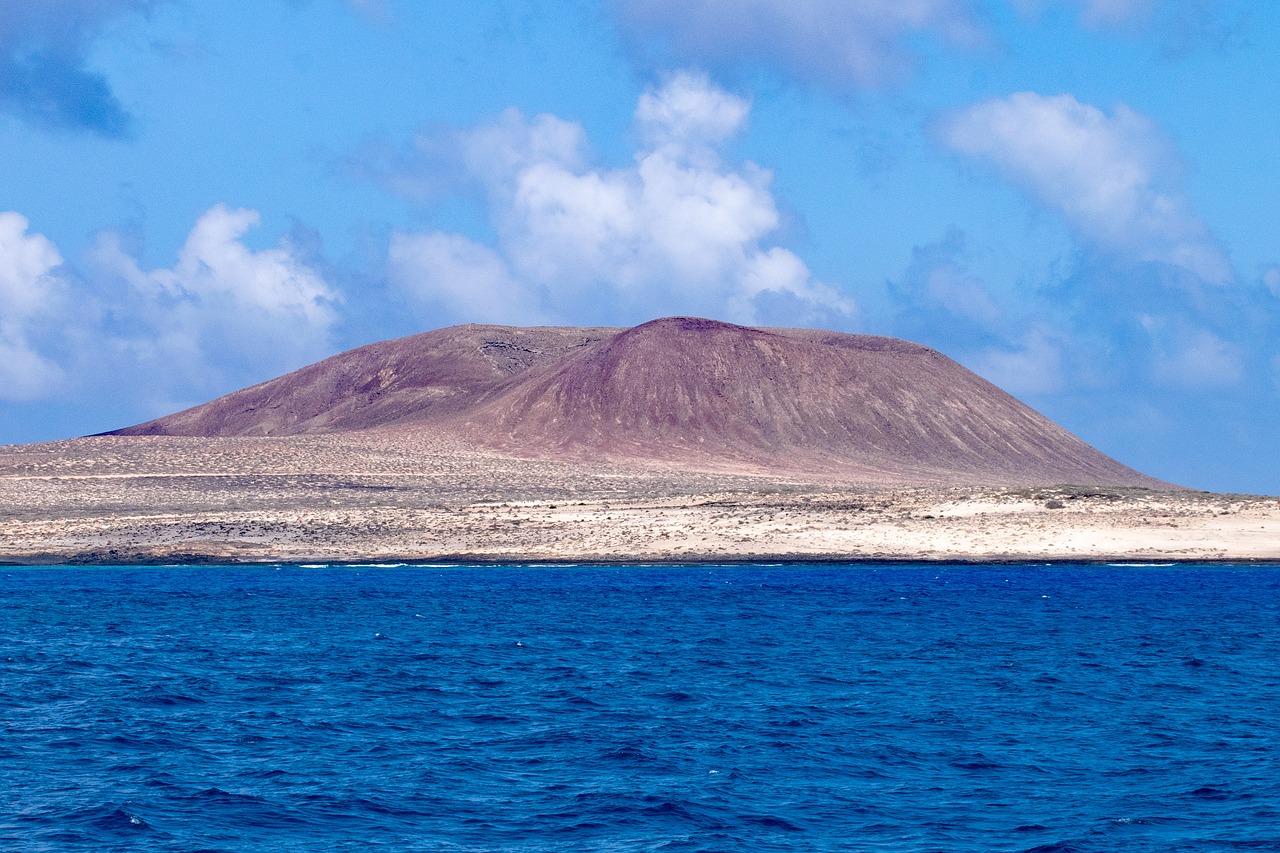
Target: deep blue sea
point(708, 708)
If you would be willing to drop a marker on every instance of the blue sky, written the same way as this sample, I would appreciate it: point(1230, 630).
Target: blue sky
point(1076, 198)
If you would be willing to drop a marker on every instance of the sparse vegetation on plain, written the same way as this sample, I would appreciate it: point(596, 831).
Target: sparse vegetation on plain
point(357, 496)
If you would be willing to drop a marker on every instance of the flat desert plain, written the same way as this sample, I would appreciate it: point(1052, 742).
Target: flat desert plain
point(390, 497)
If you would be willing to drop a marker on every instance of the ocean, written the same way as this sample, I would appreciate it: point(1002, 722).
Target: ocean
point(640, 708)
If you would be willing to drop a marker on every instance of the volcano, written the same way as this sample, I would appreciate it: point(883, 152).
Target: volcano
point(676, 391)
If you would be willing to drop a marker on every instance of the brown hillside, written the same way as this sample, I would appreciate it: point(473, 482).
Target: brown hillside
point(678, 390)
point(421, 377)
point(866, 406)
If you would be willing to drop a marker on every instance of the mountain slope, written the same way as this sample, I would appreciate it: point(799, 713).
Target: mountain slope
point(420, 377)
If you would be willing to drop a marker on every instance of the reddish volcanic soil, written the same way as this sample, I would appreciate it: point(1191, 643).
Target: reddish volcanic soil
point(679, 391)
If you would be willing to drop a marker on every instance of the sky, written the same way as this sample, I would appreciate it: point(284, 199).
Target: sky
point(1077, 199)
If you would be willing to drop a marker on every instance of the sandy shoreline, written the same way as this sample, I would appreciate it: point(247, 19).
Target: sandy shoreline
point(335, 500)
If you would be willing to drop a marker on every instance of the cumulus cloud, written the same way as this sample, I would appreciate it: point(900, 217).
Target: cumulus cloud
point(1111, 177)
point(44, 78)
point(842, 43)
point(222, 316)
point(687, 113)
point(31, 285)
point(26, 264)
point(215, 266)
point(223, 312)
point(679, 231)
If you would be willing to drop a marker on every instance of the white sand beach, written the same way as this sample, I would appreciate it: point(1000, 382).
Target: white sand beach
point(351, 498)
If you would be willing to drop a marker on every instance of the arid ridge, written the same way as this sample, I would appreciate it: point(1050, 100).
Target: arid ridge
point(677, 391)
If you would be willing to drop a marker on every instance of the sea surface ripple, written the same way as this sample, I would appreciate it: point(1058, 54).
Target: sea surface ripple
point(632, 708)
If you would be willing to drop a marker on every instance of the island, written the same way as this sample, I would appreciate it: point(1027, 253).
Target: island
point(679, 440)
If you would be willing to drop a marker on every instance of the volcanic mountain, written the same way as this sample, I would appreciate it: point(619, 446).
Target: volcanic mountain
point(682, 391)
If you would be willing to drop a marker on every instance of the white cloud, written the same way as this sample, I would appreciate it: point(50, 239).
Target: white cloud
point(1033, 365)
point(680, 231)
point(688, 111)
point(1111, 177)
point(451, 275)
point(30, 286)
point(223, 312)
point(1191, 358)
point(213, 265)
point(27, 262)
point(844, 43)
